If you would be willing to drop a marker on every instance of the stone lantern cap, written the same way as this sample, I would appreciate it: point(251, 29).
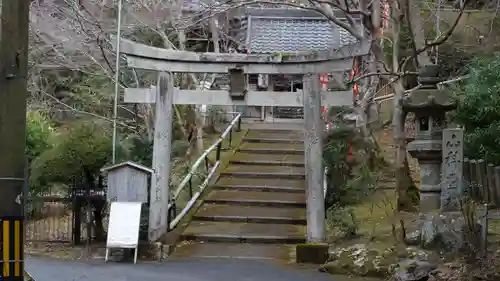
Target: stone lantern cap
point(428, 97)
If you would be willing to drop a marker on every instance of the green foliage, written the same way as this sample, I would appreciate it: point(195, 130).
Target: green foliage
point(347, 180)
point(484, 143)
point(140, 149)
point(92, 93)
point(479, 109)
point(343, 218)
point(38, 134)
point(81, 151)
point(453, 59)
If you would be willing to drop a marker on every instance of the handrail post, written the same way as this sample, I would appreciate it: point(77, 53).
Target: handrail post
point(206, 164)
point(190, 184)
point(169, 214)
point(238, 128)
point(217, 154)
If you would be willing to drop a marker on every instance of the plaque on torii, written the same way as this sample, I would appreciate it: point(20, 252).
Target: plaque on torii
point(164, 95)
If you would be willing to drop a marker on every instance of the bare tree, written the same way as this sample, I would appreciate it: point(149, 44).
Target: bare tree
point(69, 36)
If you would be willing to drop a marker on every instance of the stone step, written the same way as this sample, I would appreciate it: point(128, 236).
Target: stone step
point(271, 184)
point(240, 158)
point(233, 232)
point(287, 131)
point(259, 188)
point(251, 214)
point(257, 198)
point(263, 175)
point(272, 146)
point(266, 163)
point(272, 140)
point(292, 135)
point(235, 251)
point(287, 170)
point(268, 158)
point(289, 151)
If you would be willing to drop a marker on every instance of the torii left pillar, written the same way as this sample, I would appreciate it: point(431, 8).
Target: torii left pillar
point(160, 179)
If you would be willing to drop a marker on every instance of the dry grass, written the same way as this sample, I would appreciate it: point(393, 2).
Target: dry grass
point(376, 218)
point(375, 215)
point(385, 139)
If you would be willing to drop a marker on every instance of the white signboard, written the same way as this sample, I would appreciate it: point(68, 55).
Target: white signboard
point(124, 223)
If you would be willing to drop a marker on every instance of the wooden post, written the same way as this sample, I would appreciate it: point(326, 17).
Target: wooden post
point(483, 222)
point(158, 220)
point(314, 130)
point(490, 174)
point(474, 182)
point(481, 180)
point(497, 184)
point(268, 110)
point(14, 26)
point(466, 178)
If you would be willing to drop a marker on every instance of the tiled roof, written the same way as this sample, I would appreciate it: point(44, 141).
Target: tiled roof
point(291, 30)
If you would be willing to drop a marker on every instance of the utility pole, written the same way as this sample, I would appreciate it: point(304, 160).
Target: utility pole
point(14, 27)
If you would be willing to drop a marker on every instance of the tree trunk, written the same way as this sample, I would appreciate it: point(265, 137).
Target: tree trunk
point(401, 169)
point(415, 23)
point(404, 183)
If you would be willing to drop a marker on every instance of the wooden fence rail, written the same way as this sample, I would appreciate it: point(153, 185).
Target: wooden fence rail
point(482, 182)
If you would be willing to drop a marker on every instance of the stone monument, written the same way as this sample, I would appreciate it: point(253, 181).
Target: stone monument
point(430, 104)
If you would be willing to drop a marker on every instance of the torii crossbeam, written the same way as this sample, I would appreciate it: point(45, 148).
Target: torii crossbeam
point(238, 65)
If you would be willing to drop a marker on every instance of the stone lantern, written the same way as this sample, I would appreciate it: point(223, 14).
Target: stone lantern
point(429, 104)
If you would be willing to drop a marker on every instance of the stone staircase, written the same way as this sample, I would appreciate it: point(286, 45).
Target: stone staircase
point(257, 208)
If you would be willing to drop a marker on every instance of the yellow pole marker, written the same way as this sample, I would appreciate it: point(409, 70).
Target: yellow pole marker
point(17, 248)
point(6, 248)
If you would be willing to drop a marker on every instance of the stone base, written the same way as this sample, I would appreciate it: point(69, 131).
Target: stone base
point(156, 251)
point(316, 253)
point(444, 231)
point(147, 251)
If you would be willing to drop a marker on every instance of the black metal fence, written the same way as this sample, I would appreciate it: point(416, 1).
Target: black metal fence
point(66, 214)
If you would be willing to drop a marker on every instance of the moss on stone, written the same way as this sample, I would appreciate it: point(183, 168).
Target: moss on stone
point(316, 253)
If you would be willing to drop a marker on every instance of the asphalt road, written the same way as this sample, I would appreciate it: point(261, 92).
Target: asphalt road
point(174, 270)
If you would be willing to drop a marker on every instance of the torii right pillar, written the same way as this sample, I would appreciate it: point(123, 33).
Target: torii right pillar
point(313, 144)
point(315, 250)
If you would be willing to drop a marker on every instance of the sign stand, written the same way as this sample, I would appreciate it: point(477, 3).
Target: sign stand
point(123, 229)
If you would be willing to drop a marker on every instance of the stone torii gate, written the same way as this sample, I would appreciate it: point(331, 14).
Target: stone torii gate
point(166, 62)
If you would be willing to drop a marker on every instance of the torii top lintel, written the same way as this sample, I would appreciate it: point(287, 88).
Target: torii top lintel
point(151, 58)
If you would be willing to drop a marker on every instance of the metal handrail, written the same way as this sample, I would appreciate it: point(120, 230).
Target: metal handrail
point(173, 217)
